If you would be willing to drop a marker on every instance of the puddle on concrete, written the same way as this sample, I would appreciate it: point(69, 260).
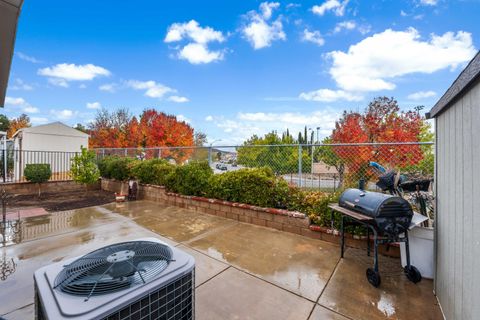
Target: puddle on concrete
point(386, 305)
point(29, 228)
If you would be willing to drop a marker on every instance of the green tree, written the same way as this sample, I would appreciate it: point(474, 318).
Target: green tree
point(84, 168)
point(4, 123)
point(80, 127)
point(327, 155)
point(37, 173)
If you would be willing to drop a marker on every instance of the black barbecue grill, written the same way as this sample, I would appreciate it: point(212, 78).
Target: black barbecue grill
point(387, 216)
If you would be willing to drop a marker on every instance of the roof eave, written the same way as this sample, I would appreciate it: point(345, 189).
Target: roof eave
point(465, 79)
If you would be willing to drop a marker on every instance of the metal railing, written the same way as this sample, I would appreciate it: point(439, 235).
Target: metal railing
point(325, 167)
point(13, 163)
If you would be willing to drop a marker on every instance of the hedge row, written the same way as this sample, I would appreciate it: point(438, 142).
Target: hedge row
point(255, 186)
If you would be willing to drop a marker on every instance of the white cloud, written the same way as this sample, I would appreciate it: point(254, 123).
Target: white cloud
point(345, 25)
point(38, 120)
point(267, 7)
point(313, 36)
point(152, 88)
point(20, 103)
point(64, 114)
point(178, 99)
point(58, 82)
point(244, 125)
point(28, 58)
point(61, 73)
point(108, 87)
point(209, 118)
point(196, 51)
point(181, 117)
point(337, 7)
point(192, 30)
point(429, 2)
point(93, 105)
point(327, 95)
point(259, 31)
point(10, 101)
point(30, 109)
point(372, 63)
point(19, 84)
point(421, 95)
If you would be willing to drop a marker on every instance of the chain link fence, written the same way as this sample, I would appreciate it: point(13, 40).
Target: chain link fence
point(325, 167)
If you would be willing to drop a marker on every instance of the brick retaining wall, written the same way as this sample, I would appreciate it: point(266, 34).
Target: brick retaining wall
point(284, 220)
point(47, 187)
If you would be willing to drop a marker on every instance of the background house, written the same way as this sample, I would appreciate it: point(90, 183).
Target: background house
point(54, 143)
point(457, 119)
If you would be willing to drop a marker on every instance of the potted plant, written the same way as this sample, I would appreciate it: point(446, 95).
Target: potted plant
point(421, 237)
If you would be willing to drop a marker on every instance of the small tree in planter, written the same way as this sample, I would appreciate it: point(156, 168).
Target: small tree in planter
point(84, 168)
point(37, 173)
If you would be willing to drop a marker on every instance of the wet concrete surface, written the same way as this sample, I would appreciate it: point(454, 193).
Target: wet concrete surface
point(240, 296)
point(296, 263)
point(242, 271)
point(397, 298)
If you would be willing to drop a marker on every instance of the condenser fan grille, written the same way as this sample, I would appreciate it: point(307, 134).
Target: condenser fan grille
point(114, 268)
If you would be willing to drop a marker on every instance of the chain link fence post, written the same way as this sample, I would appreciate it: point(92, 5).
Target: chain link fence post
point(300, 165)
point(210, 156)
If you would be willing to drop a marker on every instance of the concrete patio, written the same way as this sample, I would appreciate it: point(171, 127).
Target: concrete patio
point(242, 271)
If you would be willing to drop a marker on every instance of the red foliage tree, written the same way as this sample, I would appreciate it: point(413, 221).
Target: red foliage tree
point(155, 129)
point(382, 122)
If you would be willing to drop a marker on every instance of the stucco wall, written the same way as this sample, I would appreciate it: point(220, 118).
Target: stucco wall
point(457, 283)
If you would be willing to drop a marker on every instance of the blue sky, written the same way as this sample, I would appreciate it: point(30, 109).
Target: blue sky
point(234, 68)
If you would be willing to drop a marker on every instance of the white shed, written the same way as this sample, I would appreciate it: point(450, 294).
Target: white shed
point(457, 180)
point(54, 143)
point(54, 136)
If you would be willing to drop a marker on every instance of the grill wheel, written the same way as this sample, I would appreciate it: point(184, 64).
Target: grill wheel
point(373, 277)
point(412, 274)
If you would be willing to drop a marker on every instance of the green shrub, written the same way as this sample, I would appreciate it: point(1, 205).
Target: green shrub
point(84, 169)
point(256, 186)
point(37, 173)
point(315, 205)
point(190, 179)
point(115, 167)
point(152, 171)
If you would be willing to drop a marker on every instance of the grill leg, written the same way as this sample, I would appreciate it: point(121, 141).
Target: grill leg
point(331, 218)
point(375, 250)
point(368, 241)
point(407, 248)
point(343, 234)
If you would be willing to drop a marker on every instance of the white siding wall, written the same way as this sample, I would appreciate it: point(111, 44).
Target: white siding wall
point(457, 282)
point(52, 142)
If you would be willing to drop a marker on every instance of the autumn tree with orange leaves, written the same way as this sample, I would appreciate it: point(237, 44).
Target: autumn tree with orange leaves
point(382, 122)
point(119, 129)
point(23, 121)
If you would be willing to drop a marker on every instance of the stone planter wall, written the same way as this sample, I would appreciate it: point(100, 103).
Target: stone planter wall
point(47, 187)
point(284, 220)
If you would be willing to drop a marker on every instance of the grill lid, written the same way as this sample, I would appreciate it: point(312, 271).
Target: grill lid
point(114, 268)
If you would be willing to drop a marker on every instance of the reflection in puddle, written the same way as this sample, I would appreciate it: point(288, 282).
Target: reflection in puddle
point(7, 266)
point(386, 305)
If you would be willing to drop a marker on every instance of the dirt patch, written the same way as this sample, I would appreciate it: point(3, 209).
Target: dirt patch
point(63, 201)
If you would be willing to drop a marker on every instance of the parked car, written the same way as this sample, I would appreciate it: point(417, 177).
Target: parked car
point(223, 167)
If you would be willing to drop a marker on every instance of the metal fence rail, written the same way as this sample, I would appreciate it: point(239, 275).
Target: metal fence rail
point(324, 167)
point(13, 163)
